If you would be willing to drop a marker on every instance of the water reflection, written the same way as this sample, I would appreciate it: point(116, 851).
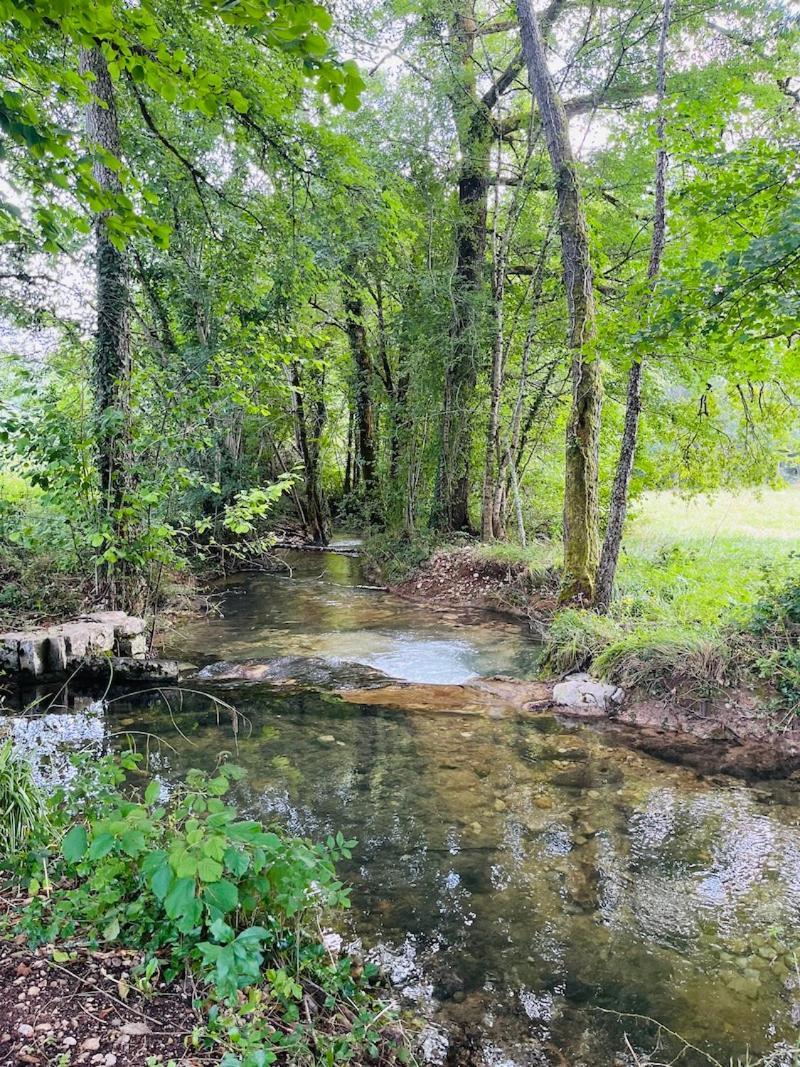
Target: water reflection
point(516, 876)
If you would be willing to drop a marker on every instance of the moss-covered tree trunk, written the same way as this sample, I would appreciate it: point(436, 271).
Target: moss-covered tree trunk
point(474, 132)
point(365, 430)
point(112, 350)
point(581, 532)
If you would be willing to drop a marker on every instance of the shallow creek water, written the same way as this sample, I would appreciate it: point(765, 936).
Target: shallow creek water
point(318, 604)
point(521, 878)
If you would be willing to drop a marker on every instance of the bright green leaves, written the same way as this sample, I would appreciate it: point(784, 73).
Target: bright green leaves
point(101, 845)
point(139, 48)
point(236, 861)
point(158, 873)
point(182, 905)
point(209, 870)
point(180, 897)
point(340, 847)
point(235, 961)
point(189, 885)
point(73, 847)
point(132, 843)
point(196, 864)
point(238, 102)
point(249, 505)
point(221, 897)
point(284, 985)
point(342, 84)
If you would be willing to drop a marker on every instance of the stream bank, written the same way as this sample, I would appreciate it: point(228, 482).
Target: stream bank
point(686, 711)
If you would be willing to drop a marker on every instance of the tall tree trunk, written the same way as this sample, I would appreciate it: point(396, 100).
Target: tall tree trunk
point(494, 476)
point(348, 464)
point(622, 479)
point(396, 388)
point(474, 132)
point(365, 413)
point(112, 352)
point(517, 503)
point(510, 454)
point(489, 528)
point(307, 437)
point(581, 517)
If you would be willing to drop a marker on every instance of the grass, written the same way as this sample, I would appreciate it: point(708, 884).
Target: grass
point(700, 561)
point(22, 808)
point(690, 561)
point(695, 576)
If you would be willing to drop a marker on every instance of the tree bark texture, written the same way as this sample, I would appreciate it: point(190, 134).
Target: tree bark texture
point(366, 445)
point(112, 352)
point(618, 509)
point(581, 513)
point(474, 132)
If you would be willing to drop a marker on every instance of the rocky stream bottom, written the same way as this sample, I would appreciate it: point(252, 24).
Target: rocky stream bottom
point(537, 891)
point(539, 888)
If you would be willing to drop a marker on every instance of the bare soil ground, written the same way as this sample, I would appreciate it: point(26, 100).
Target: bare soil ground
point(464, 578)
point(85, 1011)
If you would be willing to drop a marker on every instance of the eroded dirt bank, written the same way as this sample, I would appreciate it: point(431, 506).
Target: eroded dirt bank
point(463, 577)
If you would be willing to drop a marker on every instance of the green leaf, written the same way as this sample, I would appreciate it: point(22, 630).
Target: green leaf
point(162, 879)
point(180, 898)
point(152, 793)
point(74, 844)
point(185, 864)
point(209, 870)
point(235, 861)
point(133, 842)
point(101, 846)
point(111, 932)
point(222, 896)
point(220, 931)
point(238, 102)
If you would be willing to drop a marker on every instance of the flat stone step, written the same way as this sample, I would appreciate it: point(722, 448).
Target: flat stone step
point(61, 648)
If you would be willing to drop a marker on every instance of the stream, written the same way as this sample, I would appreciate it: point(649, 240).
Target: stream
point(542, 894)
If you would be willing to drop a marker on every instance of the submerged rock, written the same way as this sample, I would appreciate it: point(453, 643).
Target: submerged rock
point(311, 671)
point(481, 696)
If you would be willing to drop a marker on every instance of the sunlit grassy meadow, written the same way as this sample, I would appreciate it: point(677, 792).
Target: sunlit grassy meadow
point(692, 560)
point(689, 577)
point(699, 560)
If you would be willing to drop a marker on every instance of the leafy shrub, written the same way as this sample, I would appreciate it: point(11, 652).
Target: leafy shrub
point(770, 641)
point(192, 885)
point(391, 557)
